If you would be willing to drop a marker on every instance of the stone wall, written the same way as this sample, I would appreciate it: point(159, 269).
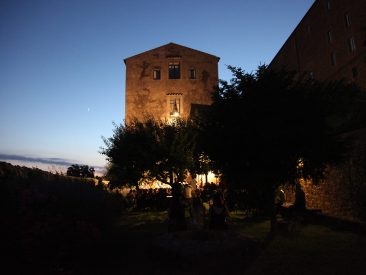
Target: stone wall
point(343, 192)
point(148, 96)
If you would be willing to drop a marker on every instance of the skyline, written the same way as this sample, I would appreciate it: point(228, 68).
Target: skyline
point(62, 73)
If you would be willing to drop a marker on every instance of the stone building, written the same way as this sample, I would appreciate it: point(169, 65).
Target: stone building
point(167, 81)
point(329, 43)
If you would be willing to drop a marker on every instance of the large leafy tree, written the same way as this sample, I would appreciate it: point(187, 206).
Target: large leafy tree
point(128, 152)
point(151, 149)
point(262, 125)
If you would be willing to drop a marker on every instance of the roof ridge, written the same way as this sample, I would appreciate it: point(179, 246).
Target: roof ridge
point(170, 43)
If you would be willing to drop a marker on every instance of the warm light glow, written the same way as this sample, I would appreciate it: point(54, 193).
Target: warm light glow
point(175, 111)
point(173, 119)
point(300, 163)
point(153, 185)
point(201, 181)
point(105, 182)
point(211, 178)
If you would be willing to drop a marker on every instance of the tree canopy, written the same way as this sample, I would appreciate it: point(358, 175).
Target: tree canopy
point(151, 149)
point(82, 171)
point(265, 128)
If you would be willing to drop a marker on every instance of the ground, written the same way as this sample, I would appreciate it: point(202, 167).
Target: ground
point(140, 243)
point(68, 226)
point(311, 249)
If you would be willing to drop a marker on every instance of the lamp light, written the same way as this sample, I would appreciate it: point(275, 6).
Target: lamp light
point(175, 111)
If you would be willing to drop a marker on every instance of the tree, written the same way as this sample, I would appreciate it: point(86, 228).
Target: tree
point(151, 149)
point(262, 124)
point(82, 171)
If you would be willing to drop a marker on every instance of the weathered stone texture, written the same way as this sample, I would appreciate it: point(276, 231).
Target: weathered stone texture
point(342, 193)
point(145, 95)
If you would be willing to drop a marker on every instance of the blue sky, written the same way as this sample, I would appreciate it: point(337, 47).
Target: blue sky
point(62, 76)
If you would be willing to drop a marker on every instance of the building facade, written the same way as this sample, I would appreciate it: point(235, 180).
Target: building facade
point(167, 81)
point(329, 43)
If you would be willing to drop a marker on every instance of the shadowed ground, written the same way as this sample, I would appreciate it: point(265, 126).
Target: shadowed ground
point(146, 247)
point(140, 243)
point(60, 225)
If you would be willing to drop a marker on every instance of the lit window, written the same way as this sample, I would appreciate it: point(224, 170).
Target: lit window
point(329, 35)
point(174, 105)
point(192, 73)
point(347, 18)
point(352, 44)
point(174, 70)
point(156, 74)
point(333, 59)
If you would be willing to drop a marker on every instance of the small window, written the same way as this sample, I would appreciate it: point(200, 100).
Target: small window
point(333, 59)
point(354, 72)
point(156, 74)
point(347, 18)
point(352, 44)
point(174, 105)
point(329, 35)
point(192, 74)
point(174, 70)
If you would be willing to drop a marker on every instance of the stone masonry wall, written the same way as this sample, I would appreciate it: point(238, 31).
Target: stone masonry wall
point(342, 193)
point(148, 96)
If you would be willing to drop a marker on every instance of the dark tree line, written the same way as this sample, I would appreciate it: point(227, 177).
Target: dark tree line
point(82, 171)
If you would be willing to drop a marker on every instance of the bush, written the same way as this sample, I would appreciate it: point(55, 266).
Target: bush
point(52, 220)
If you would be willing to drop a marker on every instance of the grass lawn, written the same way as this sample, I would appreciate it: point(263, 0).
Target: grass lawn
point(314, 249)
point(132, 246)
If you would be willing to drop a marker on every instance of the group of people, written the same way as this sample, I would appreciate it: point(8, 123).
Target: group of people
point(148, 199)
point(187, 207)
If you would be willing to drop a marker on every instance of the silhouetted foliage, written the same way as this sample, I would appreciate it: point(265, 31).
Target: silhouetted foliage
point(82, 171)
point(150, 149)
point(262, 124)
point(52, 221)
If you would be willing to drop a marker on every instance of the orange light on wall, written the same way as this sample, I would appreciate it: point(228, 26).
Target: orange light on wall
point(175, 112)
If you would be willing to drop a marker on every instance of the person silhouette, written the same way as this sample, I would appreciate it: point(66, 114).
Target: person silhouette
point(177, 207)
point(300, 201)
point(218, 212)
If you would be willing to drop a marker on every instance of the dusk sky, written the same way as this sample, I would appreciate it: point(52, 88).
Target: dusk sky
point(62, 76)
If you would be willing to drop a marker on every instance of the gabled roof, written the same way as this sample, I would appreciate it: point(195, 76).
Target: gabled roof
point(171, 44)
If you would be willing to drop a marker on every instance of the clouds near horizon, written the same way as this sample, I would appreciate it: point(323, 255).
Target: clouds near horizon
point(44, 163)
